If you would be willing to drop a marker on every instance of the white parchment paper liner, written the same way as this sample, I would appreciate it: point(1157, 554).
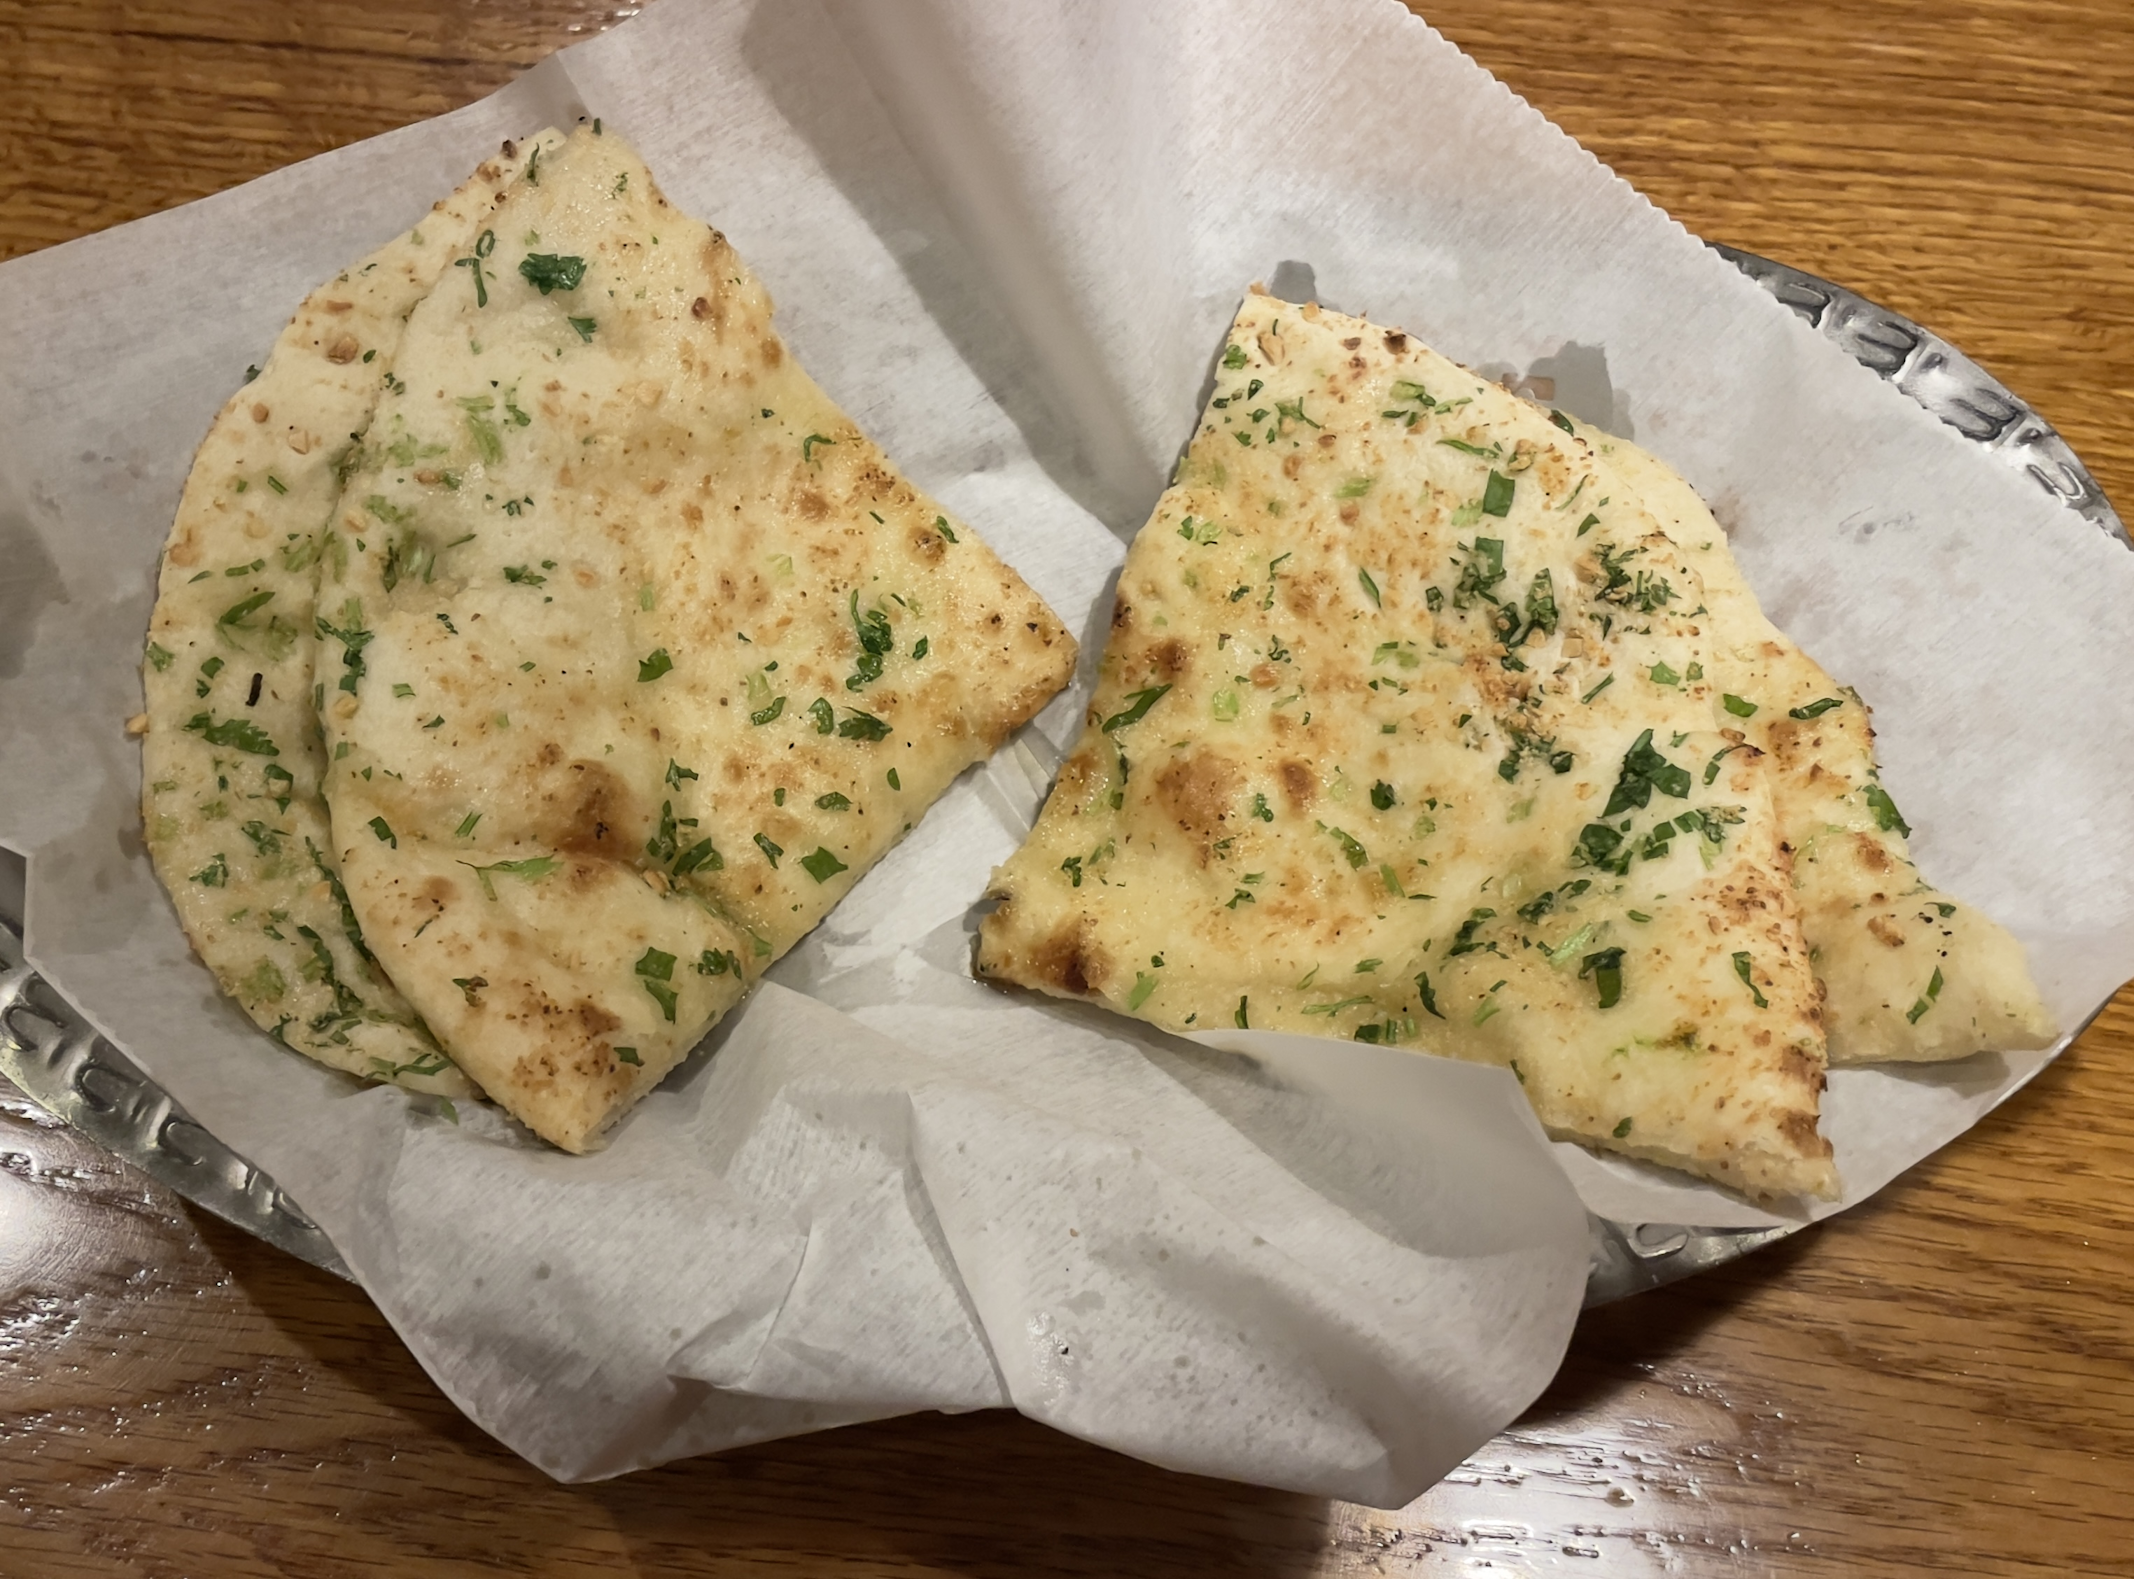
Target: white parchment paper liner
point(1008, 241)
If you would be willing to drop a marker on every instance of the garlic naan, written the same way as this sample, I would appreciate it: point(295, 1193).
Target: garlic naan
point(638, 652)
point(1407, 731)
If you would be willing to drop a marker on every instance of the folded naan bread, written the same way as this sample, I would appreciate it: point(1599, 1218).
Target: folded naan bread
point(231, 765)
point(1910, 974)
point(635, 652)
point(1408, 731)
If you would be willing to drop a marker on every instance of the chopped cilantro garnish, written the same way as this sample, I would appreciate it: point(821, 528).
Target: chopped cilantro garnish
point(862, 726)
point(1370, 587)
point(822, 865)
point(703, 856)
point(765, 715)
point(1736, 705)
point(629, 1056)
point(1742, 969)
point(384, 831)
point(216, 874)
point(1261, 809)
point(1541, 602)
point(1463, 941)
point(524, 577)
point(1138, 704)
point(530, 870)
point(825, 718)
point(1640, 590)
point(584, 326)
point(1480, 573)
point(1422, 985)
point(237, 734)
point(1243, 1018)
point(676, 773)
point(1497, 494)
point(1606, 681)
point(1815, 709)
point(1382, 795)
point(654, 665)
point(1926, 999)
point(941, 525)
point(771, 851)
point(238, 615)
point(1606, 968)
point(834, 801)
point(1664, 674)
point(1622, 1128)
point(488, 442)
point(1352, 851)
point(546, 272)
point(807, 446)
point(1645, 770)
point(1541, 904)
point(876, 640)
point(1602, 846)
point(1886, 814)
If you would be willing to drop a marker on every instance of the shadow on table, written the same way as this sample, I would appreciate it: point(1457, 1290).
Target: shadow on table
point(1617, 1344)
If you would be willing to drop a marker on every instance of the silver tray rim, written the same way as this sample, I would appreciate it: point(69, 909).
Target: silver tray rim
point(60, 1063)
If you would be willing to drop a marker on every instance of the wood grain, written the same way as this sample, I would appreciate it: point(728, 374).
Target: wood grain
point(1942, 1379)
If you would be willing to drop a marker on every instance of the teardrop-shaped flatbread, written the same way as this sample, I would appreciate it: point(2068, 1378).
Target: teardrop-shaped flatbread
point(639, 653)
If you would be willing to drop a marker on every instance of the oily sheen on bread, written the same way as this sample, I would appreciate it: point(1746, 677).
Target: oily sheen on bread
point(1407, 731)
point(231, 765)
point(636, 653)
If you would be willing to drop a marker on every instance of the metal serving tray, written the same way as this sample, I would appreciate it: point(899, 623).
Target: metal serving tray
point(59, 1062)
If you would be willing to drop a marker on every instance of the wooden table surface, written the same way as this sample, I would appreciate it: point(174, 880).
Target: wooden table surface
point(1942, 1379)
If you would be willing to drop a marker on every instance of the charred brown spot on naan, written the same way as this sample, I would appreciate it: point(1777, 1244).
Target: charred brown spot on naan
point(1200, 793)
